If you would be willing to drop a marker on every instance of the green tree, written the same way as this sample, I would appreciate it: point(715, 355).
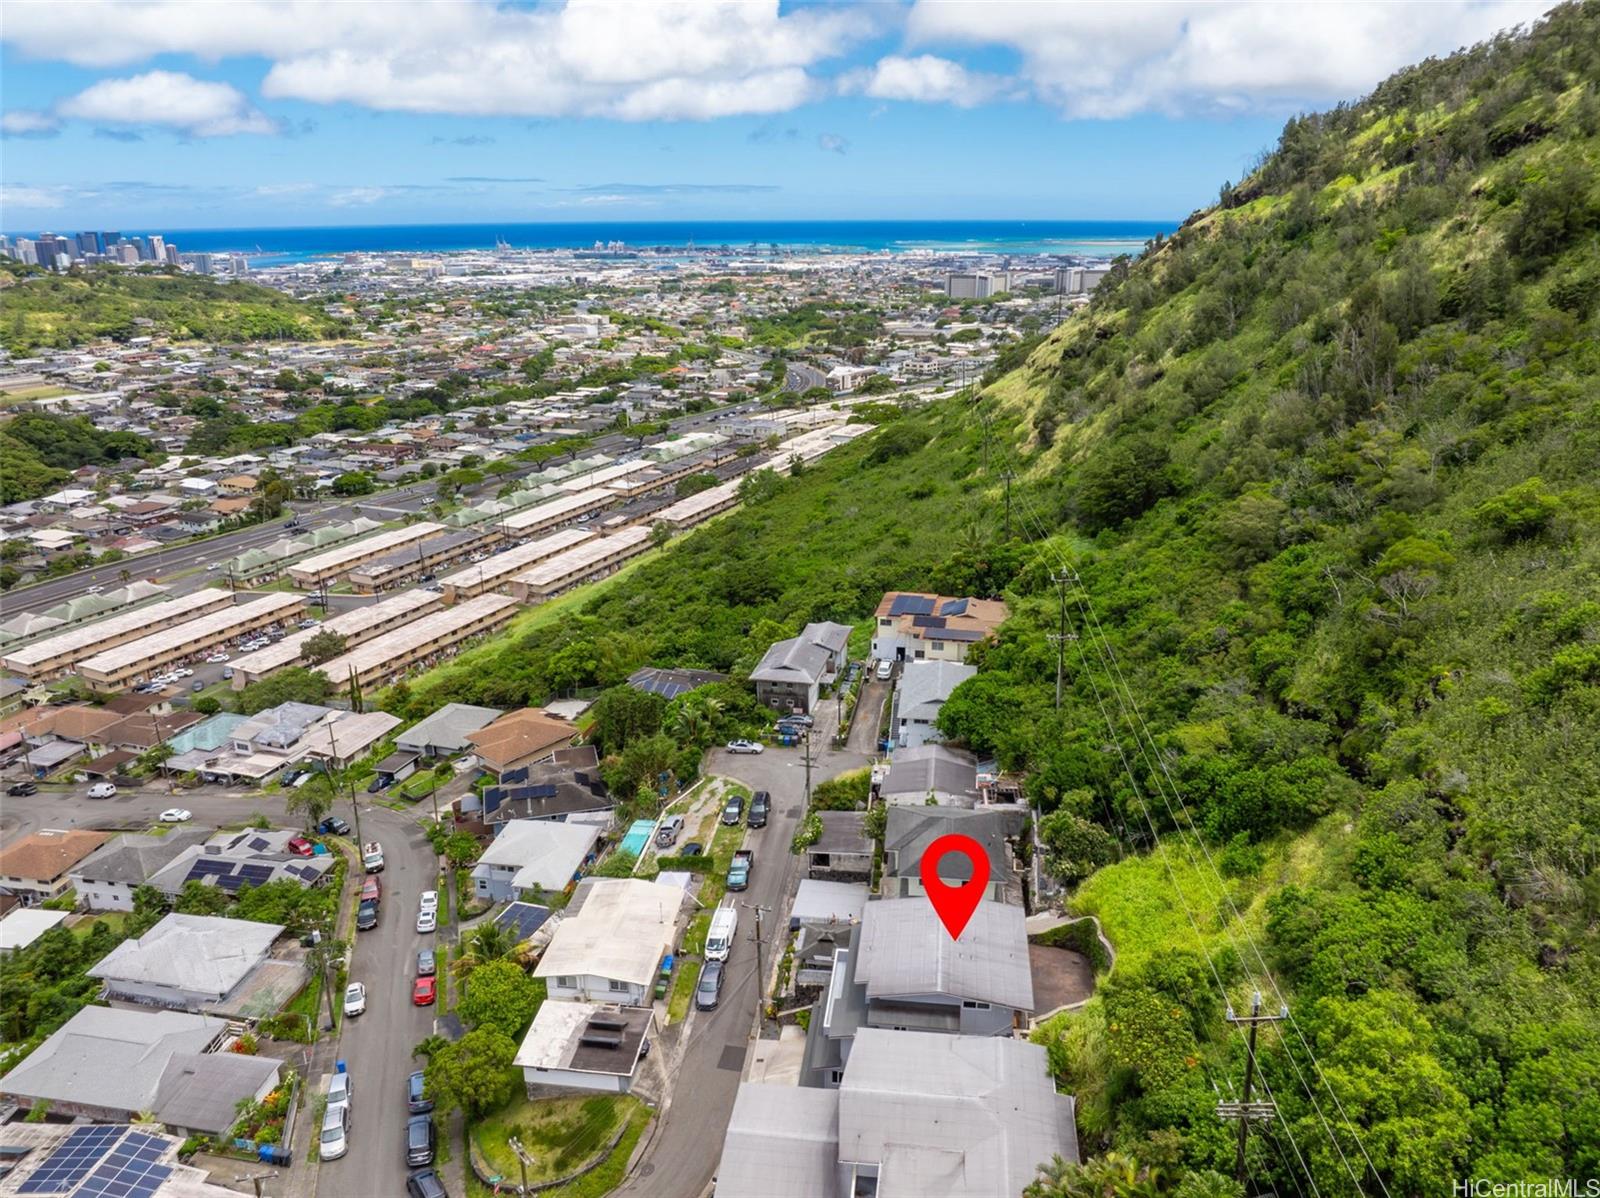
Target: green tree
point(623, 714)
point(474, 1074)
point(322, 646)
point(501, 994)
point(311, 801)
point(297, 683)
point(1074, 846)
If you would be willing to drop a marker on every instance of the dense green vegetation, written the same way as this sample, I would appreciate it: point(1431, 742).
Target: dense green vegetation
point(54, 310)
point(38, 453)
point(1335, 442)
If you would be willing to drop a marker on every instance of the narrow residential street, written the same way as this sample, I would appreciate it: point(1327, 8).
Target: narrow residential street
point(682, 1157)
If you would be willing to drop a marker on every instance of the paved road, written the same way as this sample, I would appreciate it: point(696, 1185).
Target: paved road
point(683, 1156)
point(377, 1046)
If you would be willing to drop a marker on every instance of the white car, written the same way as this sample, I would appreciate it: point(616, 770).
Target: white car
point(427, 921)
point(430, 900)
point(743, 746)
point(176, 815)
point(214, 566)
point(355, 999)
point(102, 790)
point(216, 659)
point(185, 672)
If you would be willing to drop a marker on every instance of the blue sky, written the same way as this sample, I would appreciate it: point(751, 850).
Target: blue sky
point(129, 114)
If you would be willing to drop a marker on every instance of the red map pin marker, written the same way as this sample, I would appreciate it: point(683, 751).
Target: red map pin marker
point(954, 904)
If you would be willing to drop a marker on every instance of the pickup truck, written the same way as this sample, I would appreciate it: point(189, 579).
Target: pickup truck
point(372, 857)
point(739, 869)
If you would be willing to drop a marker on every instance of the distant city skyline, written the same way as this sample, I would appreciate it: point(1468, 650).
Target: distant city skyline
point(292, 114)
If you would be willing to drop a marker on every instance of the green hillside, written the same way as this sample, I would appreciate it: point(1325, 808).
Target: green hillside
point(55, 311)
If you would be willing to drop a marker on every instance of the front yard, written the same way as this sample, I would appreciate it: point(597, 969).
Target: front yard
point(562, 1136)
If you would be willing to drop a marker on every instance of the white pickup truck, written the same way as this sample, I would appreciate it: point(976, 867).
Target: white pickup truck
point(372, 857)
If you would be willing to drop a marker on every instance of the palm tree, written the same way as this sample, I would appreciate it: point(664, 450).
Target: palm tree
point(488, 942)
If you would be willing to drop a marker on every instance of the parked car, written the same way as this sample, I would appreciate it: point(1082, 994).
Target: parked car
point(429, 900)
point(739, 869)
point(425, 963)
point(760, 805)
point(743, 746)
point(885, 671)
point(375, 785)
point(300, 846)
point(419, 1140)
point(176, 815)
point(366, 916)
point(667, 834)
point(423, 991)
point(227, 672)
point(197, 686)
point(425, 1184)
point(22, 788)
point(709, 991)
point(417, 1100)
point(102, 790)
point(733, 810)
point(335, 1139)
point(427, 921)
point(216, 659)
point(693, 849)
point(334, 826)
point(355, 999)
point(800, 720)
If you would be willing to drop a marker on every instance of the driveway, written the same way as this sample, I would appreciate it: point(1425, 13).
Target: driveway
point(869, 711)
point(683, 1155)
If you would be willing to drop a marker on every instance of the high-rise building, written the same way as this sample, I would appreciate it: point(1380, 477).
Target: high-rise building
point(239, 265)
point(108, 240)
point(158, 247)
point(977, 284)
point(87, 244)
point(127, 254)
point(45, 248)
point(27, 252)
point(172, 255)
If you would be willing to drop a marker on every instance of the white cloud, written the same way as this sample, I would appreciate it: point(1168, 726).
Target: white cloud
point(926, 78)
point(357, 196)
point(13, 197)
point(1112, 60)
point(832, 143)
point(269, 191)
point(170, 99)
point(24, 122)
point(624, 59)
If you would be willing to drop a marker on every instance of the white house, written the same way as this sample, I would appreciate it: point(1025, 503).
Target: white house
point(924, 686)
point(186, 962)
point(584, 1046)
point(611, 940)
point(532, 854)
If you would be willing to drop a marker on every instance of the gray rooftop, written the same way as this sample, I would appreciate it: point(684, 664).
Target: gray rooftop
point(905, 951)
point(199, 954)
point(133, 858)
point(909, 831)
point(957, 1116)
point(202, 1090)
point(844, 832)
point(448, 727)
point(782, 1142)
point(792, 660)
point(281, 726)
point(931, 769)
point(107, 1057)
point(925, 685)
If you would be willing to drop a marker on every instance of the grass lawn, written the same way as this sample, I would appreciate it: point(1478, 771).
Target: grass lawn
point(723, 844)
point(112, 919)
point(561, 1135)
point(684, 980)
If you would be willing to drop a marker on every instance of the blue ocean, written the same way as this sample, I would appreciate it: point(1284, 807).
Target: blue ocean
point(1085, 238)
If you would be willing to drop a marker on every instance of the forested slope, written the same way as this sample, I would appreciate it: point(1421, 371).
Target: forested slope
point(43, 309)
point(1335, 693)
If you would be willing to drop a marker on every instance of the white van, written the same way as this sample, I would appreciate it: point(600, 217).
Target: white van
point(719, 940)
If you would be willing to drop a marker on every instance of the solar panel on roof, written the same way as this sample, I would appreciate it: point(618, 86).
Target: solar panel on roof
point(954, 607)
point(260, 844)
point(81, 1151)
point(516, 775)
point(927, 621)
point(132, 1178)
point(911, 605)
point(256, 874)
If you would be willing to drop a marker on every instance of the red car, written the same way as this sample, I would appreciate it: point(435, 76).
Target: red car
point(301, 847)
point(422, 993)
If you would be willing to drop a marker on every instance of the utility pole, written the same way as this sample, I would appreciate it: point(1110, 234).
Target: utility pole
point(333, 785)
point(761, 959)
point(255, 1179)
point(1008, 476)
point(522, 1161)
point(1061, 638)
point(1244, 1110)
point(805, 742)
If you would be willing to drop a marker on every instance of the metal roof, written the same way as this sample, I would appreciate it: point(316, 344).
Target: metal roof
point(905, 951)
point(198, 954)
point(782, 1142)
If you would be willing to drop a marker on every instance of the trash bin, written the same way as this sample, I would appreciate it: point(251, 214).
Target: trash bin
point(272, 1154)
point(339, 1066)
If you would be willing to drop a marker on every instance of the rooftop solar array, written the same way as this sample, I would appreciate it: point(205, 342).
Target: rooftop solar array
point(130, 1170)
point(64, 1168)
point(512, 777)
point(911, 605)
point(954, 607)
point(524, 919)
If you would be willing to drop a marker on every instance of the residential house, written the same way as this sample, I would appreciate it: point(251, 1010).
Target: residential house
point(568, 788)
point(106, 879)
point(669, 684)
point(37, 868)
point(187, 962)
point(110, 1064)
point(792, 672)
point(902, 969)
point(533, 855)
point(612, 937)
point(909, 830)
point(583, 1046)
point(843, 852)
point(519, 739)
point(199, 1093)
point(252, 857)
point(923, 688)
point(916, 1113)
point(21, 926)
point(445, 732)
point(929, 772)
point(914, 625)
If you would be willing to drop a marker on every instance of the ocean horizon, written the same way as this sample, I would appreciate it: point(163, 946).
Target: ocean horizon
point(1080, 238)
